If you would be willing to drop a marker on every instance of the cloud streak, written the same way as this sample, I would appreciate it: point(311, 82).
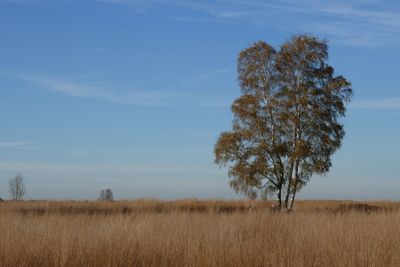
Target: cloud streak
point(121, 94)
point(205, 76)
point(107, 169)
point(365, 23)
point(13, 144)
point(378, 103)
point(353, 22)
point(99, 91)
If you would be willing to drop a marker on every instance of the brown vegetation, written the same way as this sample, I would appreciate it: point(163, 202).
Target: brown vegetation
point(198, 233)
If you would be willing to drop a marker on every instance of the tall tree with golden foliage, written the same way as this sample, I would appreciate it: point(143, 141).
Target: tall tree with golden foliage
point(286, 122)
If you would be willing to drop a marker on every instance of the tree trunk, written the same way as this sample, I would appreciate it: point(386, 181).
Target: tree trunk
point(293, 197)
point(280, 199)
point(288, 191)
point(296, 181)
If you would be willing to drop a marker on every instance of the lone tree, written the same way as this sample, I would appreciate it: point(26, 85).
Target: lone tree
point(286, 121)
point(106, 195)
point(17, 187)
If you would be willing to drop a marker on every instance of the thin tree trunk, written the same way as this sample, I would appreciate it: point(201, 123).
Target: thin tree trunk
point(293, 197)
point(296, 181)
point(288, 188)
point(280, 198)
point(293, 163)
point(287, 196)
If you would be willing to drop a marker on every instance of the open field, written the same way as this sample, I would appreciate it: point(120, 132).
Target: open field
point(198, 233)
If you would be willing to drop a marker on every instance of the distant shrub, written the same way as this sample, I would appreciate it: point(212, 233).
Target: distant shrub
point(106, 195)
point(17, 187)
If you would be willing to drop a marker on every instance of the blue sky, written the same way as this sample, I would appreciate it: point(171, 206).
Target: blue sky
point(132, 95)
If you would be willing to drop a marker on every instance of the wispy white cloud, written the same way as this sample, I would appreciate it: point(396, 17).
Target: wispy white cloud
point(121, 93)
point(99, 91)
point(13, 144)
point(353, 22)
point(367, 23)
point(70, 168)
point(378, 103)
point(205, 76)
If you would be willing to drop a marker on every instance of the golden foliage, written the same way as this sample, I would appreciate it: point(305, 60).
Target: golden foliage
point(286, 122)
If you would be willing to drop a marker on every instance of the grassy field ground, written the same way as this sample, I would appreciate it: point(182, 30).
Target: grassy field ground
point(198, 233)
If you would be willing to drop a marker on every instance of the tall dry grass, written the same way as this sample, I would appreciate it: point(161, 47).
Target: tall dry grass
point(198, 233)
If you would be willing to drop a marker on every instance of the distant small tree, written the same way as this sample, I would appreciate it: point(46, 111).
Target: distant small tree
point(106, 195)
point(17, 187)
point(109, 195)
point(102, 195)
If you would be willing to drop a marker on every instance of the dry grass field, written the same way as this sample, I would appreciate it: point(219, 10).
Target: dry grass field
point(198, 233)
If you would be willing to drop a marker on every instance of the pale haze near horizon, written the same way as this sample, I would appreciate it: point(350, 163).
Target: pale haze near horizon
point(132, 95)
